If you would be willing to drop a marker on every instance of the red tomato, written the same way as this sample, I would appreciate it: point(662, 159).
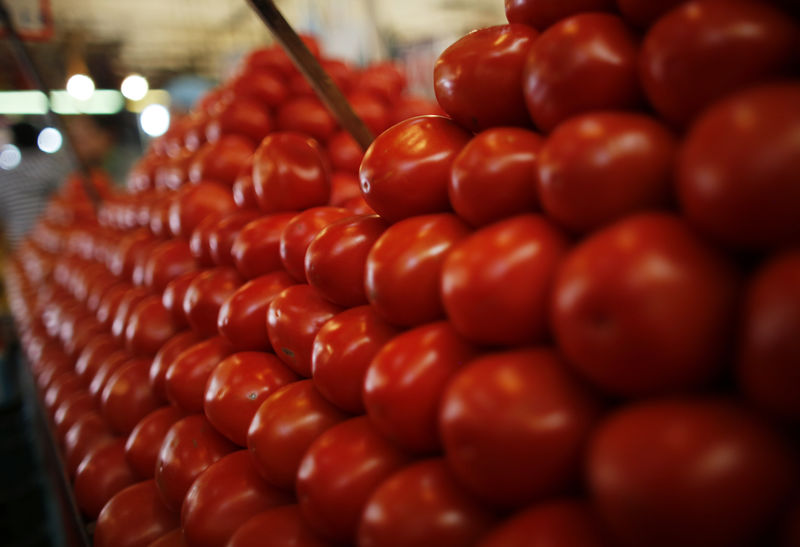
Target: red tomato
point(166, 262)
point(372, 110)
point(586, 62)
point(165, 356)
point(256, 248)
point(702, 51)
point(769, 342)
point(284, 526)
point(384, 80)
point(149, 326)
point(737, 170)
point(128, 396)
point(344, 152)
point(101, 474)
point(405, 381)
point(300, 231)
point(124, 255)
point(205, 296)
point(422, 505)
point(241, 317)
point(596, 168)
point(98, 289)
point(170, 539)
point(404, 266)
point(241, 116)
point(643, 13)
point(409, 106)
point(126, 305)
point(144, 442)
point(494, 54)
point(71, 409)
point(237, 387)
point(494, 175)
point(499, 440)
point(223, 498)
point(109, 303)
point(541, 14)
point(290, 173)
point(62, 386)
point(88, 432)
point(406, 168)
point(264, 85)
point(339, 473)
point(344, 187)
point(173, 295)
point(134, 518)
point(274, 58)
point(688, 472)
point(293, 319)
point(306, 115)
point(188, 448)
point(645, 307)
point(335, 259)
point(159, 218)
point(196, 201)
point(110, 365)
point(173, 173)
point(199, 240)
point(185, 381)
point(222, 160)
point(496, 283)
point(283, 428)
point(223, 234)
point(244, 193)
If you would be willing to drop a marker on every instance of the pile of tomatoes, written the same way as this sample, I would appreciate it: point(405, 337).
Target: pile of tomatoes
point(565, 311)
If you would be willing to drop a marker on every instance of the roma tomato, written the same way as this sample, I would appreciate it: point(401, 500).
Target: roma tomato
point(223, 234)
point(173, 295)
point(107, 308)
point(144, 442)
point(185, 380)
point(344, 188)
point(643, 13)
point(241, 116)
point(170, 539)
point(267, 86)
point(222, 160)
point(205, 296)
point(110, 365)
point(101, 474)
point(300, 231)
point(256, 248)
point(344, 152)
point(306, 115)
point(194, 202)
point(541, 14)
point(199, 240)
point(134, 517)
point(167, 261)
point(284, 526)
point(149, 327)
point(401, 177)
point(244, 193)
point(88, 432)
point(128, 396)
point(165, 356)
point(62, 386)
point(126, 305)
point(411, 106)
point(71, 409)
point(372, 110)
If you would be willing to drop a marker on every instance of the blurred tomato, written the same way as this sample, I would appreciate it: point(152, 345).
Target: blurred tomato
point(284, 526)
point(144, 441)
point(199, 241)
point(205, 296)
point(196, 201)
point(541, 14)
point(223, 234)
point(101, 474)
point(88, 432)
point(110, 365)
point(372, 110)
point(167, 261)
point(344, 187)
point(185, 380)
point(306, 115)
point(643, 13)
point(173, 295)
point(165, 356)
point(222, 160)
point(300, 231)
point(241, 116)
point(256, 248)
point(126, 306)
point(149, 327)
point(134, 518)
point(72, 407)
point(267, 86)
point(344, 152)
point(128, 396)
point(244, 193)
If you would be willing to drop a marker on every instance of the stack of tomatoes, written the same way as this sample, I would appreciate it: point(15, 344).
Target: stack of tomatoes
point(565, 313)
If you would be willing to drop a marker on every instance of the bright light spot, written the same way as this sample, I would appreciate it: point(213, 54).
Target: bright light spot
point(154, 120)
point(10, 156)
point(134, 87)
point(80, 86)
point(49, 140)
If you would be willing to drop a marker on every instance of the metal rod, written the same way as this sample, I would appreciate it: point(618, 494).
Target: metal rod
point(320, 81)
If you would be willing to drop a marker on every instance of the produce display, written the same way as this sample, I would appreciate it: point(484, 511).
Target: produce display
point(561, 307)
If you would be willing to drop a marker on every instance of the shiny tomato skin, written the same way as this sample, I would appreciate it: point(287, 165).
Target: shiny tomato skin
point(493, 177)
point(222, 235)
point(185, 380)
point(769, 342)
point(256, 248)
point(62, 386)
point(126, 305)
point(134, 517)
point(344, 152)
point(236, 388)
point(128, 396)
point(107, 308)
point(306, 115)
point(290, 173)
point(283, 525)
point(170, 539)
point(199, 240)
point(283, 428)
point(496, 283)
point(241, 116)
point(404, 266)
point(737, 169)
point(497, 440)
point(222, 160)
point(596, 168)
point(205, 296)
point(244, 193)
point(336, 258)
point(223, 497)
point(149, 327)
point(194, 202)
point(241, 317)
point(300, 231)
point(101, 474)
point(167, 261)
point(339, 473)
point(343, 350)
point(586, 62)
point(645, 307)
point(698, 53)
point(188, 448)
point(71, 409)
point(88, 432)
point(166, 355)
point(405, 382)
point(405, 170)
point(494, 54)
point(541, 14)
point(422, 505)
point(144, 442)
point(650, 474)
point(110, 365)
point(173, 296)
point(293, 319)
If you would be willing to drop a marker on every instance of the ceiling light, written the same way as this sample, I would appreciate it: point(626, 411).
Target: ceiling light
point(80, 86)
point(49, 140)
point(10, 157)
point(134, 87)
point(154, 120)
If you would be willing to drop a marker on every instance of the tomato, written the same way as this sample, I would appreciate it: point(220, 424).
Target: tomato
point(222, 160)
point(223, 497)
point(267, 86)
point(244, 193)
point(405, 382)
point(144, 441)
point(166, 262)
point(338, 474)
point(306, 115)
point(300, 231)
point(133, 518)
point(498, 439)
point(188, 448)
point(566, 523)
point(124, 255)
point(88, 432)
point(336, 257)
point(404, 265)
point(72, 407)
point(109, 303)
point(150, 325)
point(541, 14)
point(185, 381)
point(236, 388)
point(344, 188)
point(165, 356)
point(283, 428)
point(50, 372)
point(596, 168)
point(173, 173)
point(274, 58)
point(383, 79)
point(126, 306)
point(688, 472)
point(61, 387)
point(422, 505)
point(170, 539)
point(643, 13)
point(241, 317)
point(173, 295)
point(110, 365)
point(645, 307)
point(736, 174)
point(586, 62)
point(128, 397)
point(98, 289)
point(494, 54)
point(293, 319)
point(372, 110)
point(494, 176)
point(406, 168)
point(410, 106)
point(101, 474)
point(159, 218)
point(702, 51)
point(221, 237)
point(196, 201)
point(769, 345)
point(344, 152)
point(241, 116)
point(496, 283)
point(256, 248)
point(284, 526)
point(205, 296)
point(199, 240)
